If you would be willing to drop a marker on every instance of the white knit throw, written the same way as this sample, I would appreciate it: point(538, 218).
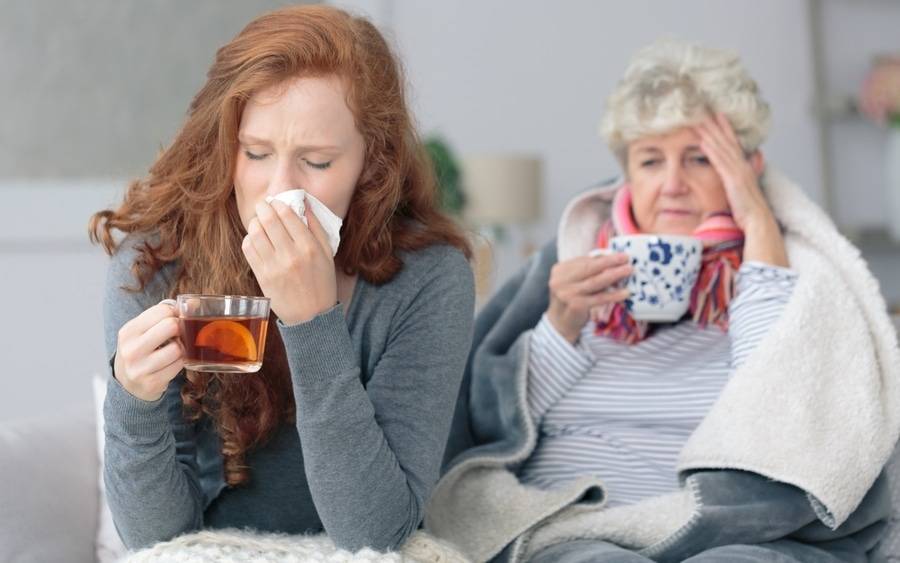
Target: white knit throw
point(239, 546)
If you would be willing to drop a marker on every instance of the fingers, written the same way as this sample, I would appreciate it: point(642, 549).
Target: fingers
point(607, 297)
point(719, 140)
point(168, 373)
point(272, 221)
point(251, 254)
point(156, 336)
point(717, 156)
point(285, 230)
point(583, 267)
point(145, 362)
point(259, 239)
point(161, 362)
point(597, 289)
point(292, 223)
point(143, 322)
point(727, 129)
point(604, 280)
point(588, 303)
point(317, 230)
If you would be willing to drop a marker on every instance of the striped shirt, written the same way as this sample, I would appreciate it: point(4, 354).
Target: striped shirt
point(623, 413)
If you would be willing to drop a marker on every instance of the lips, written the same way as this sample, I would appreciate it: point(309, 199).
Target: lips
point(680, 212)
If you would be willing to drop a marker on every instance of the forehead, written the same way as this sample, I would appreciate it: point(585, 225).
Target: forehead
point(679, 139)
point(306, 103)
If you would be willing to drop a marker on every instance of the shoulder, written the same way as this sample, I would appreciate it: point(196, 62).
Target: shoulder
point(440, 264)
point(429, 277)
point(121, 273)
point(124, 258)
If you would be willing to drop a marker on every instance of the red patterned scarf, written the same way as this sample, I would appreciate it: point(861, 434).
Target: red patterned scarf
point(723, 244)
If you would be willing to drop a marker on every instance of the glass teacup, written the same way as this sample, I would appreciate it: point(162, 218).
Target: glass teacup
point(222, 333)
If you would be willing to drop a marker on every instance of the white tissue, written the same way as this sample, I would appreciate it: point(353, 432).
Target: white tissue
point(296, 200)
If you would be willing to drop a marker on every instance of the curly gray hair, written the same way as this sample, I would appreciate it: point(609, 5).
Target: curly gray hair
point(671, 84)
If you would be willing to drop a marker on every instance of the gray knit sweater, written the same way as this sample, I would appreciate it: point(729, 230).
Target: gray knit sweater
point(374, 392)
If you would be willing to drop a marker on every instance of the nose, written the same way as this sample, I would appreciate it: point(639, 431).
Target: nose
point(674, 182)
point(285, 177)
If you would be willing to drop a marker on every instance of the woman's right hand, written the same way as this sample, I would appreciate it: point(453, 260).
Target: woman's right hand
point(149, 353)
point(580, 284)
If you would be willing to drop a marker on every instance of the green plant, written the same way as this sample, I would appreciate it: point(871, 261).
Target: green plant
point(446, 170)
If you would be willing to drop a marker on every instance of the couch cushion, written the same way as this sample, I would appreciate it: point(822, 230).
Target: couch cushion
point(48, 497)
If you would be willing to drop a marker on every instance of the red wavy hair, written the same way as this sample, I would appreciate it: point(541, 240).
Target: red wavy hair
point(185, 209)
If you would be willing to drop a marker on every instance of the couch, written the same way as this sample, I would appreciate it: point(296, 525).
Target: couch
point(49, 490)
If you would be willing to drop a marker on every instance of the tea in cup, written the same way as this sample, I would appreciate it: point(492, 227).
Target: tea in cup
point(222, 333)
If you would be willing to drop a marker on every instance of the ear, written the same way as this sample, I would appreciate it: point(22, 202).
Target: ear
point(758, 162)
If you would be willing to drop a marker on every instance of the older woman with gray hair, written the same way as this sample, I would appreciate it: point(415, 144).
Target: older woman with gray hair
point(752, 426)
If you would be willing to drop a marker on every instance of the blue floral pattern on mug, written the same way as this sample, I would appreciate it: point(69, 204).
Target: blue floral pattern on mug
point(665, 271)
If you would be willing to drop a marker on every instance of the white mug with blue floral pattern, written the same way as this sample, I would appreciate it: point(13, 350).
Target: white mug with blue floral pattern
point(665, 269)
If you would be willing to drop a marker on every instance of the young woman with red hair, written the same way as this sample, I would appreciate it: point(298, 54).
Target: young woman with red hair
point(343, 428)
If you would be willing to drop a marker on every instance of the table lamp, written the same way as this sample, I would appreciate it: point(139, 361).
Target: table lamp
point(502, 190)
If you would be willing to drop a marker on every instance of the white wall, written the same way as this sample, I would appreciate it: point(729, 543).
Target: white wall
point(532, 76)
point(91, 89)
point(95, 87)
point(52, 283)
point(489, 75)
point(855, 33)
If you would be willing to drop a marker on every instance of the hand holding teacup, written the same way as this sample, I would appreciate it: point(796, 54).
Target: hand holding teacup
point(580, 284)
point(148, 352)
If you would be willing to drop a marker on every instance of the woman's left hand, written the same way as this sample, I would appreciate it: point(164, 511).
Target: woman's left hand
point(292, 262)
point(762, 235)
point(720, 144)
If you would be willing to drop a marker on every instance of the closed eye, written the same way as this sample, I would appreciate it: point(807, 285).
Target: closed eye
point(253, 156)
point(700, 159)
point(650, 162)
point(318, 165)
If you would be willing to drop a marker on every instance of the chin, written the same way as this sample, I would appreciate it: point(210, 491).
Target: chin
point(674, 228)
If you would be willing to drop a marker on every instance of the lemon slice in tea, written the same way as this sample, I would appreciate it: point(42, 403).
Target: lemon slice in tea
point(228, 337)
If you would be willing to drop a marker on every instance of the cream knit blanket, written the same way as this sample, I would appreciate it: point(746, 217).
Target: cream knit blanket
point(239, 546)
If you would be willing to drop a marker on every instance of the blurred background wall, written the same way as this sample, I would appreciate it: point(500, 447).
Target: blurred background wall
point(90, 92)
point(92, 89)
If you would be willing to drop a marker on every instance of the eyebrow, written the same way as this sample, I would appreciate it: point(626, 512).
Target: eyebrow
point(657, 149)
point(252, 140)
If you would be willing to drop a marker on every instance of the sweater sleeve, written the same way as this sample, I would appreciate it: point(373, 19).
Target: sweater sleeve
point(761, 292)
point(372, 453)
point(554, 366)
point(150, 468)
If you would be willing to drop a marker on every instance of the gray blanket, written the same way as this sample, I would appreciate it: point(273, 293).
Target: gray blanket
point(789, 456)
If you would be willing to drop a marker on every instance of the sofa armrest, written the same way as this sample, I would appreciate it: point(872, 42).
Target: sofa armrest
point(49, 488)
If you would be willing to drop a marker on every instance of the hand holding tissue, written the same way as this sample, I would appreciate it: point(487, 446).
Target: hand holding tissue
point(297, 200)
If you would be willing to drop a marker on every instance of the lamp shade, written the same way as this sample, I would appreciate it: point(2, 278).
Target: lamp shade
point(502, 189)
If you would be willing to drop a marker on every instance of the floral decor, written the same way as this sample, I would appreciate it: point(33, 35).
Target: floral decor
point(880, 94)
